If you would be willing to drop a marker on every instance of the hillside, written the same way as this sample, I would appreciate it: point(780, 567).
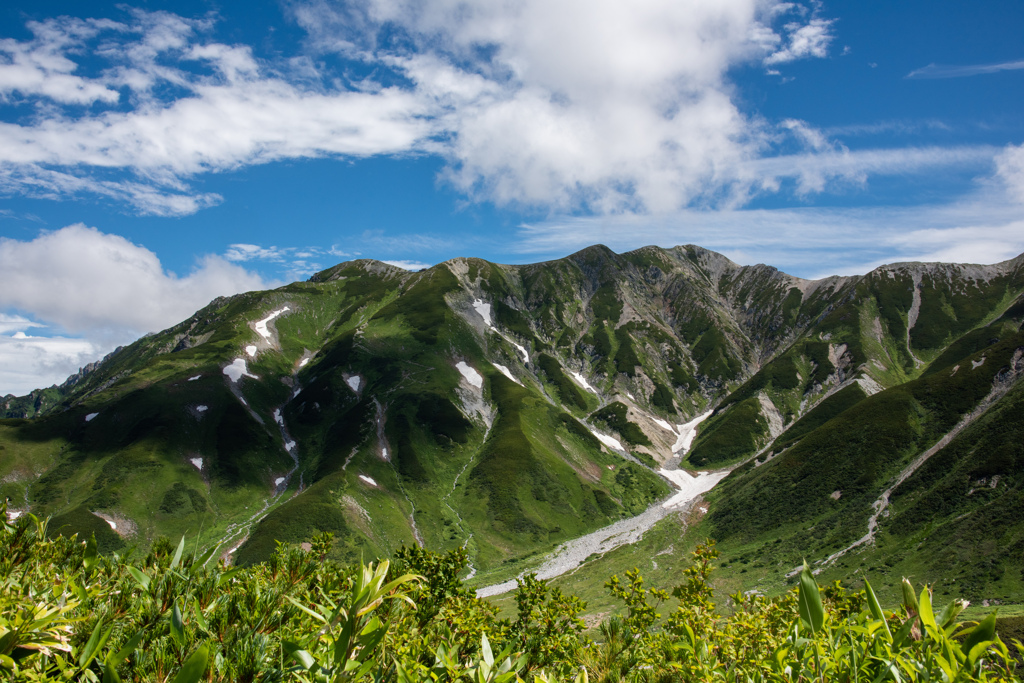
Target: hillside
point(507, 409)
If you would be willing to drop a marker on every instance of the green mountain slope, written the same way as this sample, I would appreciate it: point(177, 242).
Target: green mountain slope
point(507, 409)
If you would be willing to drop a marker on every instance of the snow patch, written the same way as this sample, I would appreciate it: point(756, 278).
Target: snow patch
point(112, 523)
point(664, 425)
point(90, 417)
point(289, 446)
point(688, 432)
point(975, 364)
point(484, 309)
point(471, 375)
point(582, 381)
point(505, 371)
point(251, 350)
point(368, 480)
point(277, 417)
point(526, 356)
point(354, 382)
point(278, 481)
point(14, 514)
point(608, 441)
point(197, 463)
point(631, 398)
point(193, 379)
point(237, 370)
point(690, 486)
point(302, 363)
point(261, 326)
point(202, 409)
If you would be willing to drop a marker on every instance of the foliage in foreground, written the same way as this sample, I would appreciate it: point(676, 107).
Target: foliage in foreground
point(67, 613)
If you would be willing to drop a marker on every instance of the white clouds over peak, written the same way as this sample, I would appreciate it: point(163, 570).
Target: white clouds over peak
point(86, 281)
point(563, 104)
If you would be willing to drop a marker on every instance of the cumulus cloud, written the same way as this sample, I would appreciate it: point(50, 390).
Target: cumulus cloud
point(1010, 170)
point(555, 103)
point(408, 265)
point(87, 281)
point(100, 286)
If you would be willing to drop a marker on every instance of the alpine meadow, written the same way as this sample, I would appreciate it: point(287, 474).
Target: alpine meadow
point(490, 473)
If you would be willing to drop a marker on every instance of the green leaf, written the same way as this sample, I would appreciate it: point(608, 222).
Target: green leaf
point(113, 659)
point(485, 646)
point(811, 609)
point(226, 576)
point(140, 577)
point(200, 619)
point(177, 626)
point(927, 616)
point(92, 645)
point(91, 554)
point(194, 667)
point(876, 609)
point(984, 631)
point(177, 553)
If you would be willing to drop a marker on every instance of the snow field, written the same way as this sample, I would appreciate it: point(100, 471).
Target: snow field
point(261, 326)
point(237, 370)
point(197, 463)
point(193, 379)
point(470, 375)
point(690, 486)
point(251, 350)
point(484, 309)
point(505, 371)
point(368, 480)
point(688, 432)
point(90, 417)
point(582, 381)
point(354, 382)
point(608, 441)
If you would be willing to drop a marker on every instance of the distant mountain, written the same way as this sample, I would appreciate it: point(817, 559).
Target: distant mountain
point(510, 408)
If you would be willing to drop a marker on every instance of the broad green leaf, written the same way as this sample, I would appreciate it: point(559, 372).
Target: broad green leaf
point(811, 609)
point(876, 609)
point(177, 553)
point(226, 576)
point(140, 577)
point(925, 605)
point(485, 646)
point(113, 659)
point(177, 625)
point(200, 619)
point(91, 554)
point(91, 645)
point(194, 666)
point(984, 631)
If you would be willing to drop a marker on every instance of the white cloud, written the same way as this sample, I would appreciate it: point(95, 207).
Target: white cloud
point(87, 281)
point(554, 103)
point(28, 362)
point(1010, 170)
point(408, 265)
point(940, 71)
point(806, 242)
point(804, 40)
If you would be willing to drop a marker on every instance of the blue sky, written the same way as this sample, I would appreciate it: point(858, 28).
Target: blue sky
point(155, 155)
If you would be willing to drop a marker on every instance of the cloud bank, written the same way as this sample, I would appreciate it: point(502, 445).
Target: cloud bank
point(560, 104)
point(110, 291)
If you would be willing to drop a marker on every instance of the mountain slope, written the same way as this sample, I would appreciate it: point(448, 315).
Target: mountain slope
point(510, 408)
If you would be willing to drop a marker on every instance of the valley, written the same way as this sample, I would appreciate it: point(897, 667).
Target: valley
point(563, 418)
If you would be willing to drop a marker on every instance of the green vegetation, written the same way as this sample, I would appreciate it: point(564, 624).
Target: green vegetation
point(68, 612)
point(732, 436)
point(567, 390)
point(614, 415)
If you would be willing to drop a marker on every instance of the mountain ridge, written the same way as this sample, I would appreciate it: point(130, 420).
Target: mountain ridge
point(507, 408)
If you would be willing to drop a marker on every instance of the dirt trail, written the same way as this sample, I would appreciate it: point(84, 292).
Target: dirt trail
point(1000, 386)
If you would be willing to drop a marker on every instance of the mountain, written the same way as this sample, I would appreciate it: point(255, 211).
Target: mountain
point(511, 408)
